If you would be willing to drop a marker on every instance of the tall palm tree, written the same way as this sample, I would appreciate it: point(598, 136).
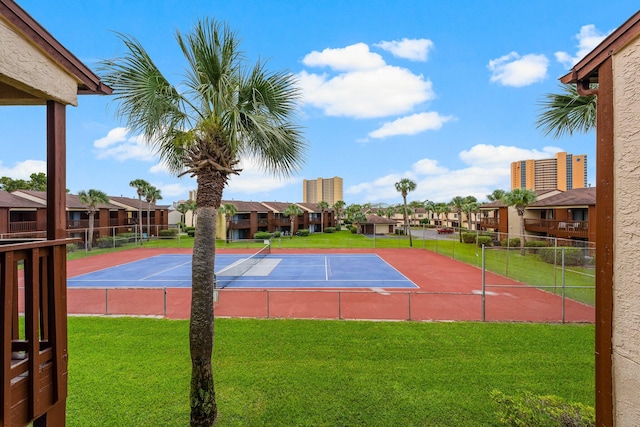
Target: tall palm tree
point(192, 207)
point(91, 199)
point(442, 208)
point(223, 110)
point(456, 206)
point(470, 207)
point(404, 186)
point(567, 112)
point(323, 206)
point(429, 206)
point(520, 198)
point(141, 187)
point(183, 208)
point(228, 210)
point(292, 211)
point(338, 207)
point(151, 195)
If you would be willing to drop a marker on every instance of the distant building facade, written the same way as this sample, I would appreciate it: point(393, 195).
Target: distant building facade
point(322, 190)
point(564, 172)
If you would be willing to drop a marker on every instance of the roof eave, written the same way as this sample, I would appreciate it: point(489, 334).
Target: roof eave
point(90, 83)
point(586, 70)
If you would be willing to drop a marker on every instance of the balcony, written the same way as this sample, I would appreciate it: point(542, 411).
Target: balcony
point(489, 222)
point(35, 353)
point(558, 228)
point(22, 226)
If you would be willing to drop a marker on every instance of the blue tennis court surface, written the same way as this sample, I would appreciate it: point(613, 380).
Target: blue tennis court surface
point(273, 271)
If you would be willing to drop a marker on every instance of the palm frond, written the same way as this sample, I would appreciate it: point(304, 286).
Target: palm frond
point(567, 113)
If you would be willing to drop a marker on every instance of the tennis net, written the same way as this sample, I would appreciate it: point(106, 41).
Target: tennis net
point(231, 272)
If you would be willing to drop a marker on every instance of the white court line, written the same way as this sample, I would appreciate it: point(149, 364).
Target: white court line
point(326, 268)
point(164, 271)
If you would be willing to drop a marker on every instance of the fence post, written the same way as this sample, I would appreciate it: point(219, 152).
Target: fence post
point(483, 285)
point(86, 242)
point(563, 283)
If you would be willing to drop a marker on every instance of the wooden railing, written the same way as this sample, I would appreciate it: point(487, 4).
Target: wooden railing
point(34, 355)
point(558, 228)
point(22, 226)
point(489, 222)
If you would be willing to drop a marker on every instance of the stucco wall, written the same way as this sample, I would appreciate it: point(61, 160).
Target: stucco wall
point(626, 262)
point(34, 71)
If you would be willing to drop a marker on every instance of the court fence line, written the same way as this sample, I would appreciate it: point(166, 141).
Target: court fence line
point(338, 304)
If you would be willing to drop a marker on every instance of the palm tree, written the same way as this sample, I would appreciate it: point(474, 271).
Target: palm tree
point(192, 206)
point(223, 110)
point(429, 207)
point(404, 186)
point(496, 195)
point(141, 187)
point(91, 199)
point(228, 210)
point(567, 112)
point(520, 198)
point(470, 207)
point(183, 208)
point(338, 207)
point(322, 205)
point(456, 206)
point(292, 211)
point(442, 208)
point(151, 195)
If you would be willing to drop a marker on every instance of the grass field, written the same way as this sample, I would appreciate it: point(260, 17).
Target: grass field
point(135, 372)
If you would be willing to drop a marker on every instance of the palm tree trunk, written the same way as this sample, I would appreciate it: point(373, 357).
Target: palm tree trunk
point(90, 236)
point(522, 234)
point(201, 327)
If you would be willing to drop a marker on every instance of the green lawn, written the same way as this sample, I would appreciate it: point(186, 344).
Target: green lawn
point(135, 372)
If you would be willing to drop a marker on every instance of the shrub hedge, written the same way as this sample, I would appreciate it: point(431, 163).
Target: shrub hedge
point(572, 256)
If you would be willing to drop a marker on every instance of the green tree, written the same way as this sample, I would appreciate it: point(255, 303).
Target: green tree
point(429, 207)
point(223, 111)
point(91, 199)
point(496, 195)
point(9, 184)
point(323, 206)
point(141, 187)
point(38, 181)
point(183, 208)
point(228, 210)
point(470, 207)
point(192, 206)
point(456, 206)
point(151, 196)
point(520, 198)
point(338, 207)
point(567, 112)
point(443, 209)
point(292, 211)
point(404, 186)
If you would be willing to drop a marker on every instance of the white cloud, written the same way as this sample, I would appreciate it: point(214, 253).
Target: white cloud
point(172, 190)
point(119, 145)
point(486, 155)
point(588, 38)
point(412, 49)
point(24, 169)
point(411, 125)
point(114, 136)
point(253, 180)
point(361, 94)
point(350, 58)
point(517, 71)
point(488, 168)
point(360, 84)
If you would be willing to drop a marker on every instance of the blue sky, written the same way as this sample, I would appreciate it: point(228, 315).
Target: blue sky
point(443, 93)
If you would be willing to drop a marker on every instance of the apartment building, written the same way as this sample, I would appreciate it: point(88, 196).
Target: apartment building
point(563, 172)
point(322, 189)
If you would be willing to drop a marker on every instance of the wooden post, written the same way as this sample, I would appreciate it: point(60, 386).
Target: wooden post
point(56, 171)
